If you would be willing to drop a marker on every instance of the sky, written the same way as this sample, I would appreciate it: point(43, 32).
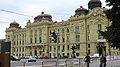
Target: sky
point(58, 9)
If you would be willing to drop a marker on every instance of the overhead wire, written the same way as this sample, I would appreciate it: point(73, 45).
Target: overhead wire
point(15, 13)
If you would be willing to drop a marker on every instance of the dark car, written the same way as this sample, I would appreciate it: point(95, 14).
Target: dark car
point(15, 58)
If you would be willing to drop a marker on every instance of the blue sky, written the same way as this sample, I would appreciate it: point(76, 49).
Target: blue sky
point(59, 9)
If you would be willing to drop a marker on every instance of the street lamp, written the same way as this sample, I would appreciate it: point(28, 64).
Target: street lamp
point(55, 40)
point(73, 51)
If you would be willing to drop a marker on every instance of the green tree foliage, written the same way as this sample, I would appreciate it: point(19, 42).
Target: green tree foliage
point(112, 34)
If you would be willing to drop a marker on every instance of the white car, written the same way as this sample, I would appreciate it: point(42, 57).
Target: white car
point(95, 56)
point(32, 59)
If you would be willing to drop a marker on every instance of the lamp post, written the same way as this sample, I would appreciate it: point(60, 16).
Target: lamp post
point(55, 40)
point(86, 34)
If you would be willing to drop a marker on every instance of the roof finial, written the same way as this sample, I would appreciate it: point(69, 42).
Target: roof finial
point(42, 12)
point(81, 6)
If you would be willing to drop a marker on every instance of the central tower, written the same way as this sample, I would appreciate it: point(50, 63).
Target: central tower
point(94, 3)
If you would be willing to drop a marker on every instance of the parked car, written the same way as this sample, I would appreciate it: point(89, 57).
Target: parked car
point(45, 57)
point(15, 58)
point(32, 59)
point(95, 56)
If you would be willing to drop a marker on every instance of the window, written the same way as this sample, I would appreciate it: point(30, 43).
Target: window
point(88, 28)
point(58, 40)
point(50, 48)
point(99, 26)
point(63, 54)
point(77, 54)
point(23, 49)
point(50, 32)
point(88, 38)
point(68, 54)
point(77, 37)
point(88, 45)
point(62, 30)
point(35, 40)
point(58, 48)
point(68, 47)
point(67, 30)
point(88, 51)
point(30, 40)
point(77, 28)
point(40, 40)
point(63, 39)
point(50, 40)
point(63, 48)
point(78, 47)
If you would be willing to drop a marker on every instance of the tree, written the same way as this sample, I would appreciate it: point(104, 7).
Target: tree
point(112, 34)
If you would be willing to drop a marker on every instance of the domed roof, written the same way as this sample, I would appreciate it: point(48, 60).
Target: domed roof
point(80, 9)
point(43, 15)
point(94, 1)
point(14, 22)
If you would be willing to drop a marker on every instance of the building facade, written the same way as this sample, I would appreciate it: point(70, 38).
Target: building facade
point(80, 30)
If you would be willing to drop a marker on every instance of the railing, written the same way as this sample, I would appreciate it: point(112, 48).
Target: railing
point(49, 64)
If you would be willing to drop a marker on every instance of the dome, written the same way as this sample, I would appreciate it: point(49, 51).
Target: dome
point(43, 16)
point(94, 3)
point(80, 11)
point(14, 23)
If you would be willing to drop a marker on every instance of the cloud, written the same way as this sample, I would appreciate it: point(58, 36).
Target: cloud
point(59, 9)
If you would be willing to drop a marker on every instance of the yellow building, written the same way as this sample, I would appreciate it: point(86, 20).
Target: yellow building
point(81, 30)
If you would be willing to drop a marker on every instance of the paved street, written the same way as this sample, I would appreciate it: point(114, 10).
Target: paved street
point(95, 63)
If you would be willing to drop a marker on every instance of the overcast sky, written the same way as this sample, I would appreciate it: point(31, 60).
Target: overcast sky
point(59, 9)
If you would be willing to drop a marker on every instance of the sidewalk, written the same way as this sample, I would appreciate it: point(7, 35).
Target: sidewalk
point(110, 63)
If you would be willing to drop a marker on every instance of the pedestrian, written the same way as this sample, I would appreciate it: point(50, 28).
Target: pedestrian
point(87, 60)
point(102, 61)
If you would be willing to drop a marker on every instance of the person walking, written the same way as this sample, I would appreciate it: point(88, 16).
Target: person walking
point(87, 60)
point(102, 61)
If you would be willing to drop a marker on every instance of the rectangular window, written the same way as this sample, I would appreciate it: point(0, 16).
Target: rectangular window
point(68, 54)
point(40, 39)
point(67, 30)
point(63, 48)
point(88, 27)
point(77, 54)
point(88, 51)
point(35, 40)
point(77, 37)
point(77, 28)
point(68, 47)
point(63, 39)
point(77, 47)
point(50, 40)
point(58, 48)
point(99, 26)
point(50, 48)
point(88, 45)
point(62, 30)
